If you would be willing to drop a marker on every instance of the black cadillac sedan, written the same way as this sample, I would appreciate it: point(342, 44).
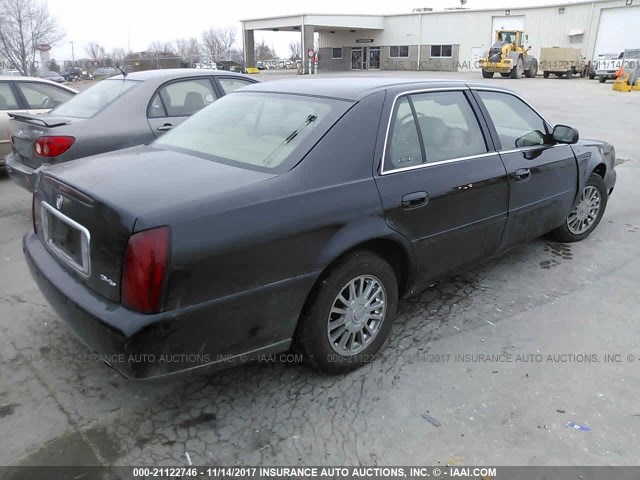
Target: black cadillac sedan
point(298, 213)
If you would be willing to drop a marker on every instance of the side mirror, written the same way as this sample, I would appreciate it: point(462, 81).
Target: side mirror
point(565, 134)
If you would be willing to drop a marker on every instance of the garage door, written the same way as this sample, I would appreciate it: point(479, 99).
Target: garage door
point(619, 29)
point(506, 23)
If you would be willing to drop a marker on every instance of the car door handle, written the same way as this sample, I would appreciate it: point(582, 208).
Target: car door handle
point(165, 127)
point(415, 199)
point(522, 174)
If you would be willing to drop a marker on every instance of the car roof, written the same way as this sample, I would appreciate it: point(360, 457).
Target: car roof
point(349, 88)
point(173, 73)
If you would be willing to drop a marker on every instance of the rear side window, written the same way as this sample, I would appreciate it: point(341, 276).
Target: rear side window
point(448, 126)
point(183, 98)
point(231, 84)
point(8, 100)
point(445, 123)
point(43, 96)
point(88, 103)
point(516, 123)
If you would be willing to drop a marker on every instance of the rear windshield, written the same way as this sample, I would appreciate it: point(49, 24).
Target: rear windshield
point(94, 99)
point(253, 129)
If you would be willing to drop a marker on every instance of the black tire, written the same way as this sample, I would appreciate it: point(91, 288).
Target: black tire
point(545, 74)
point(532, 71)
point(564, 234)
point(505, 75)
point(515, 71)
point(592, 76)
point(602, 79)
point(312, 336)
point(486, 74)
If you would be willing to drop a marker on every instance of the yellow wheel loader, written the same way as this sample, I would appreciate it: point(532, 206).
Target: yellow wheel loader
point(508, 57)
point(628, 77)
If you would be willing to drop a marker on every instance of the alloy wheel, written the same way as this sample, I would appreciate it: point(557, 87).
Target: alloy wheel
point(585, 213)
point(356, 315)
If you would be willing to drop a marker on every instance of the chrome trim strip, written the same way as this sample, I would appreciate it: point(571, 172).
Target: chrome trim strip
point(440, 162)
point(85, 243)
point(461, 88)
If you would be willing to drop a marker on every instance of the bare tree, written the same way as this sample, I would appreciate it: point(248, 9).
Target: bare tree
point(264, 51)
point(188, 49)
point(217, 43)
point(94, 50)
point(164, 48)
point(25, 24)
point(295, 51)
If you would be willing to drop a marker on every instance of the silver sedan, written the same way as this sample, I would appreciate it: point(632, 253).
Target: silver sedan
point(116, 113)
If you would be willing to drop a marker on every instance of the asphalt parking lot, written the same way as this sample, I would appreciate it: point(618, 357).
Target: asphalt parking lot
point(503, 356)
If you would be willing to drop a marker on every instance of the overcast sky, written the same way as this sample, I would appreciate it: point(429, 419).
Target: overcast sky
point(137, 23)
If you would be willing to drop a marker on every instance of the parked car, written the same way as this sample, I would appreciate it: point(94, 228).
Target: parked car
point(26, 96)
point(52, 76)
point(75, 74)
point(606, 66)
point(259, 222)
point(10, 73)
point(116, 113)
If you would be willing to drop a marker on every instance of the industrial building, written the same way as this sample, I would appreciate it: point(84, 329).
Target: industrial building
point(453, 39)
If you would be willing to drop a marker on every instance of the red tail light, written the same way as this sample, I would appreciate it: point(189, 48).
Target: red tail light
point(53, 146)
point(145, 269)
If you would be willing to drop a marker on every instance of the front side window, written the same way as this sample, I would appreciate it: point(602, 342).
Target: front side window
point(399, 51)
point(91, 101)
point(186, 97)
point(43, 96)
point(8, 100)
point(516, 123)
point(254, 129)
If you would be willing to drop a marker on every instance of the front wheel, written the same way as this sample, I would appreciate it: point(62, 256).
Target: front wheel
point(586, 215)
point(602, 79)
point(516, 72)
point(532, 71)
point(350, 313)
point(486, 74)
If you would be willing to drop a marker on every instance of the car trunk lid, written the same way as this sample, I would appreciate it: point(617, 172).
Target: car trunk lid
point(97, 203)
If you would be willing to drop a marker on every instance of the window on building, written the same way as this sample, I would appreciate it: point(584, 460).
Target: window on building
point(439, 51)
point(398, 51)
point(336, 53)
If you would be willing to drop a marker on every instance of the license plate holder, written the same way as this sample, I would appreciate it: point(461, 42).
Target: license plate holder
point(66, 238)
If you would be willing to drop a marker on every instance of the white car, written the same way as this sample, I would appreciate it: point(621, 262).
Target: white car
point(26, 95)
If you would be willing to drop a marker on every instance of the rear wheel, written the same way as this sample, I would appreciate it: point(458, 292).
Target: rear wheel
point(587, 213)
point(486, 74)
point(545, 74)
point(592, 76)
point(532, 71)
point(349, 314)
point(516, 72)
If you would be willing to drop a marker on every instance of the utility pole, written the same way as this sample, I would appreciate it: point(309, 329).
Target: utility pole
point(73, 55)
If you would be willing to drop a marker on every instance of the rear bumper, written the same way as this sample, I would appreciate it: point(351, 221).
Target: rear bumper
point(219, 334)
point(20, 173)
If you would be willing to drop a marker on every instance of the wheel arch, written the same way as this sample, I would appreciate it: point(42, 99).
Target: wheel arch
point(375, 235)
